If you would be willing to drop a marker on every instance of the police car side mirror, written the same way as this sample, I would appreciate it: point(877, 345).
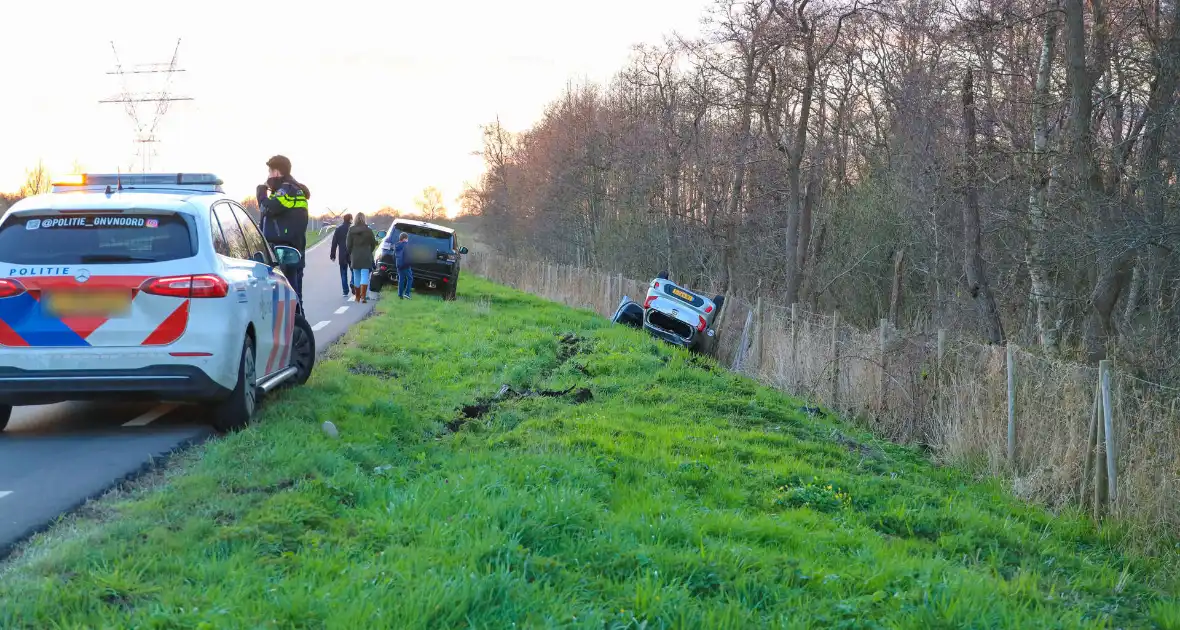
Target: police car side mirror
point(462, 250)
point(381, 234)
point(287, 255)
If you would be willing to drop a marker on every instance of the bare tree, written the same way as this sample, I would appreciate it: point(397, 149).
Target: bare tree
point(37, 180)
point(1008, 167)
point(430, 204)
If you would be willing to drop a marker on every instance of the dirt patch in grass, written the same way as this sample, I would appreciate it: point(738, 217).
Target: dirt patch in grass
point(574, 395)
point(364, 369)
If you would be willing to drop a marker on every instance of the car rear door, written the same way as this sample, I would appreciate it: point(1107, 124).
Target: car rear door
point(279, 303)
point(252, 293)
point(79, 278)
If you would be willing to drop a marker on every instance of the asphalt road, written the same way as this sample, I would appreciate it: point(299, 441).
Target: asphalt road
point(53, 458)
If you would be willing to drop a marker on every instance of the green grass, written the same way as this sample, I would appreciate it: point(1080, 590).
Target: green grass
point(679, 496)
point(315, 236)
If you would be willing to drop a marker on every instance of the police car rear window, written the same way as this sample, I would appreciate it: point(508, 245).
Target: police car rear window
point(77, 238)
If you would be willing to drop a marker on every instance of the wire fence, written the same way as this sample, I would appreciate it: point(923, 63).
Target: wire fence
point(1036, 421)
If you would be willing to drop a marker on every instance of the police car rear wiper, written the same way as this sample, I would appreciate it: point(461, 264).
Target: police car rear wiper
point(94, 258)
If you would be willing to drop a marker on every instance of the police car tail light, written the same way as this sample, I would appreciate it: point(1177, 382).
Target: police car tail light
point(709, 308)
point(10, 288)
point(198, 286)
point(701, 326)
point(648, 301)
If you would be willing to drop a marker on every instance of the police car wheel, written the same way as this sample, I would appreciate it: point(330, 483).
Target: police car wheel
point(302, 351)
point(5, 415)
point(238, 410)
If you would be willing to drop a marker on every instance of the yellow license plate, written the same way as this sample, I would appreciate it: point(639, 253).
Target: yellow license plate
point(682, 295)
point(92, 303)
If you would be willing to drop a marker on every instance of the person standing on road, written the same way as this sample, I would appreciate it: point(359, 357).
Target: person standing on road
point(405, 275)
point(339, 238)
point(284, 215)
point(360, 243)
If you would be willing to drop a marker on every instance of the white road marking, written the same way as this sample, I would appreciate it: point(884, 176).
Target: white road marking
point(320, 325)
point(4, 493)
point(151, 416)
point(340, 311)
point(327, 238)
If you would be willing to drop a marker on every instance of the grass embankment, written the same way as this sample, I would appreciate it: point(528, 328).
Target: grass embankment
point(315, 236)
point(677, 496)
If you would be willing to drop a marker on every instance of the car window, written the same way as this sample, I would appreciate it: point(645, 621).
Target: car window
point(232, 231)
point(255, 243)
point(84, 237)
point(422, 236)
point(220, 245)
point(421, 230)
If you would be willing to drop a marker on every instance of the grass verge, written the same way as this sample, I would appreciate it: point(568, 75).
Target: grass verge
point(673, 495)
point(315, 236)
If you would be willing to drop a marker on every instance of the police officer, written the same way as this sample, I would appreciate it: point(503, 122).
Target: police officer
point(284, 215)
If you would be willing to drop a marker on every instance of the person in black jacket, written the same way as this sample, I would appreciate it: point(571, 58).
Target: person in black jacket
point(284, 215)
point(339, 240)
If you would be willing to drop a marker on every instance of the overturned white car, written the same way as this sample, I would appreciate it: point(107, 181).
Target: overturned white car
point(673, 313)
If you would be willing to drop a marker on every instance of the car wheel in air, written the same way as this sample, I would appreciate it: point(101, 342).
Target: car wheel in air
point(5, 415)
point(238, 410)
point(302, 351)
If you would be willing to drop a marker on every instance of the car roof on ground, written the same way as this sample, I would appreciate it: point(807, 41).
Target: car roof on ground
point(99, 202)
point(435, 226)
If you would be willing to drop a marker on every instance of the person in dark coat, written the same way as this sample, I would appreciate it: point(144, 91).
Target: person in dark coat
point(338, 238)
point(405, 275)
point(285, 214)
point(360, 243)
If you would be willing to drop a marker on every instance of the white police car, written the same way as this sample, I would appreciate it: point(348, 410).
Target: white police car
point(149, 286)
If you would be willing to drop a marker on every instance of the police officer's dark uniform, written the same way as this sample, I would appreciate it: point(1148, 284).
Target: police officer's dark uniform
point(284, 217)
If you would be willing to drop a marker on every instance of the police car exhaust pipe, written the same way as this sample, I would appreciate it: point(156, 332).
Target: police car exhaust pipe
point(269, 384)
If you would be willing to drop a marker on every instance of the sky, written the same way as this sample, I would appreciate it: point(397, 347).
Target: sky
point(372, 101)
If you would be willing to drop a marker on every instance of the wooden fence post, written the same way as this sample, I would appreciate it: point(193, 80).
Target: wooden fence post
point(882, 389)
point(1091, 443)
point(835, 360)
point(756, 345)
point(606, 292)
point(739, 357)
point(1101, 487)
point(795, 378)
point(940, 357)
point(1011, 352)
point(1112, 478)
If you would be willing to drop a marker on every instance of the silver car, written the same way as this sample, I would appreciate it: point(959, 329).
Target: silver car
point(673, 313)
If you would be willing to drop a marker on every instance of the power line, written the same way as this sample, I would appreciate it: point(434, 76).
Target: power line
point(145, 133)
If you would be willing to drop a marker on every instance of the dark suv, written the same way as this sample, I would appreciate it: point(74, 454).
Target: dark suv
point(434, 256)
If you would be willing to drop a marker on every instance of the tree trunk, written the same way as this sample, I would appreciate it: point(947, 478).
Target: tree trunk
point(1113, 270)
point(977, 282)
point(895, 298)
point(1044, 294)
point(733, 205)
point(1161, 112)
point(800, 197)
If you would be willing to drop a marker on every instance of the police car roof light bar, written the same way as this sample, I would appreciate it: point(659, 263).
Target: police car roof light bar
point(196, 182)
